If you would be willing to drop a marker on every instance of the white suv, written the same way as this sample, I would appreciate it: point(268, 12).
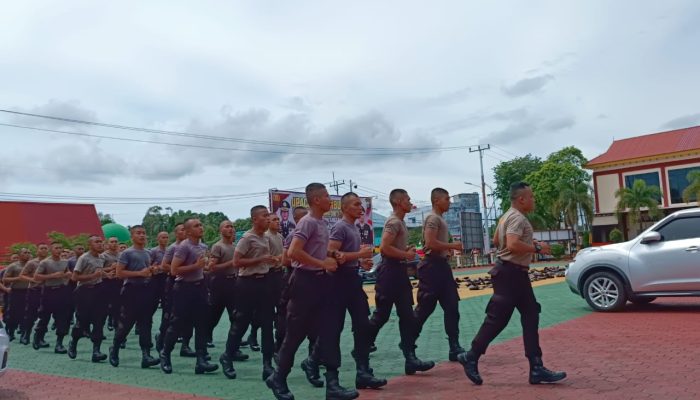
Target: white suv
point(662, 261)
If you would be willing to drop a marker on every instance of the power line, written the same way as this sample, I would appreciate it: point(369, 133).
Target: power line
point(218, 148)
point(506, 151)
point(232, 139)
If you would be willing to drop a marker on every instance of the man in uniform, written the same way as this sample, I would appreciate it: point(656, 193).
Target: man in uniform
point(286, 226)
point(53, 273)
point(134, 266)
point(91, 307)
point(253, 292)
point(436, 282)
point(78, 250)
point(167, 310)
point(346, 285)
point(512, 289)
point(223, 281)
point(112, 284)
point(277, 271)
point(189, 298)
point(393, 286)
point(31, 310)
point(159, 277)
point(18, 295)
point(308, 295)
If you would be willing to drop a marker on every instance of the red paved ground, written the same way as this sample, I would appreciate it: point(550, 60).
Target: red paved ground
point(646, 352)
point(21, 385)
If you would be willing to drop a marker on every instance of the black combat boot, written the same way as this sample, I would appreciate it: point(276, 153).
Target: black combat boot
point(24, 338)
point(146, 360)
point(279, 387)
point(413, 364)
point(203, 366)
point(312, 373)
point(336, 392)
point(59, 349)
point(114, 355)
point(186, 351)
point(73, 348)
point(470, 363)
point(364, 378)
point(97, 355)
point(159, 342)
point(227, 366)
point(455, 349)
point(540, 374)
point(166, 364)
point(267, 367)
point(239, 356)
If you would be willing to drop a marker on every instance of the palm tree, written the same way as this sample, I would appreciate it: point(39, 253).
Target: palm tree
point(573, 203)
point(637, 197)
point(693, 189)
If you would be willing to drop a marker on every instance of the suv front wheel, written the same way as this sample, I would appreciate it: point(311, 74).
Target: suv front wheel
point(604, 291)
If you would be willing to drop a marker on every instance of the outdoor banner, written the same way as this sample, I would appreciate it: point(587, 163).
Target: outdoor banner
point(283, 203)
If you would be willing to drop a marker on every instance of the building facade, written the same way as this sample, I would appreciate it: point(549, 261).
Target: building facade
point(661, 159)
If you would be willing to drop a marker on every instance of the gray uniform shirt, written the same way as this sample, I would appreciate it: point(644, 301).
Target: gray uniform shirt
point(253, 245)
point(223, 252)
point(14, 270)
point(49, 266)
point(189, 253)
point(276, 245)
point(88, 264)
point(350, 240)
point(135, 260)
point(437, 223)
point(397, 226)
point(314, 233)
point(513, 222)
point(29, 270)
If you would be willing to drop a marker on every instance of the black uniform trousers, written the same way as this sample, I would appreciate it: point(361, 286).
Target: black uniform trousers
point(308, 295)
point(253, 300)
point(281, 321)
point(70, 298)
point(31, 310)
point(90, 312)
point(189, 309)
point(511, 289)
point(54, 303)
point(346, 295)
point(222, 289)
point(111, 289)
point(16, 304)
point(158, 283)
point(277, 283)
point(393, 287)
point(136, 308)
point(437, 284)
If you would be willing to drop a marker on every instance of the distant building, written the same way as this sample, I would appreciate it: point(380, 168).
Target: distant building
point(661, 159)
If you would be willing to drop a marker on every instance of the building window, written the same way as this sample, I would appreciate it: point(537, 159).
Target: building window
point(678, 181)
point(650, 178)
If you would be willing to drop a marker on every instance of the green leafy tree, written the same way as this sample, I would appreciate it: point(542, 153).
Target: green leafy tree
point(243, 224)
point(16, 247)
point(415, 236)
point(574, 201)
point(510, 172)
point(635, 198)
point(692, 192)
point(105, 218)
point(616, 236)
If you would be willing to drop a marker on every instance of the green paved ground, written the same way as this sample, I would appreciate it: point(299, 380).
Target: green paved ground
point(558, 305)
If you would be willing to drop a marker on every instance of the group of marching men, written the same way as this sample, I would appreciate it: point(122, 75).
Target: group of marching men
point(290, 289)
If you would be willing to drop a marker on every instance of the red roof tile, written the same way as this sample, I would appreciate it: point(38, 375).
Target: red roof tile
point(679, 140)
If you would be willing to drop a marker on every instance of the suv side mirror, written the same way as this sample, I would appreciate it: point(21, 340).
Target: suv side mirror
point(651, 237)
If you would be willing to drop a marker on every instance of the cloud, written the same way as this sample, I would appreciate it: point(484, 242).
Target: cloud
point(683, 121)
point(447, 99)
point(528, 126)
point(296, 103)
point(70, 109)
point(527, 86)
point(476, 119)
point(82, 162)
point(557, 124)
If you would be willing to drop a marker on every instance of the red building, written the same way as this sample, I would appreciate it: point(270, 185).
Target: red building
point(30, 222)
point(661, 159)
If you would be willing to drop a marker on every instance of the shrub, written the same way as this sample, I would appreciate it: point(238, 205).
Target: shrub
point(616, 236)
point(557, 251)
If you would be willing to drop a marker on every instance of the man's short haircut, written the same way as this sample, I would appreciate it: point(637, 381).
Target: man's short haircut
point(56, 243)
point(135, 227)
point(182, 224)
point(93, 237)
point(224, 222)
point(395, 195)
point(436, 193)
point(312, 190)
point(254, 211)
point(516, 190)
point(299, 210)
point(347, 196)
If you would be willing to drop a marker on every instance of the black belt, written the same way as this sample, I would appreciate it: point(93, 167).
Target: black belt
point(513, 265)
point(389, 260)
point(436, 257)
point(230, 276)
point(252, 276)
point(311, 271)
point(192, 283)
point(55, 287)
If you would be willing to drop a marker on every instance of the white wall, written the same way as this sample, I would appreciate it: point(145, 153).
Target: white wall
point(606, 186)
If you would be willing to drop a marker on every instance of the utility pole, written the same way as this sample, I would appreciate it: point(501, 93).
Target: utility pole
point(336, 184)
point(481, 149)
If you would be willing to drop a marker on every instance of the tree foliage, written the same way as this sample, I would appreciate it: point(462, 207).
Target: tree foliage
point(105, 218)
point(510, 172)
point(156, 221)
point(692, 191)
point(635, 198)
point(68, 242)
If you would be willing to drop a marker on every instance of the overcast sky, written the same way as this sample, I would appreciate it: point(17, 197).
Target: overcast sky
point(524, 77)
